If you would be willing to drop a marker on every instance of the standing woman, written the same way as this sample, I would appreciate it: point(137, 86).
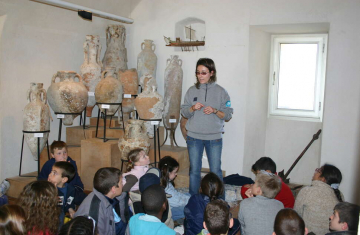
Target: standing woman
point(207, 106)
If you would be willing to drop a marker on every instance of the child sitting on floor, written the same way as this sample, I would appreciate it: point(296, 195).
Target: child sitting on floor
point(138, 165)
point(257, 214)
point(169, 167)
point(39, 199)
point(61, 173)
point(345, 219)
point(267, 164)
point(217, 219)
point(153, 200)
point(288, 222)
point(211, 188)
point(59, 153)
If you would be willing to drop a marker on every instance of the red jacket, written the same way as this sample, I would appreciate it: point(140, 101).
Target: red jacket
point(285, 195)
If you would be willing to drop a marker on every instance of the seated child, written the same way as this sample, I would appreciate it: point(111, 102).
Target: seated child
point(211, 188)
point(107, 203)
point(138, 165)
point(153, 200)
point(12, 219)
point(59, 153)
point(39, 199)
point(61, 173)
point(267, 164)
point(345, 219)
point(289, 222)
point(217, 218)
point(84, 225)
point(257, 214)
point(169, 167)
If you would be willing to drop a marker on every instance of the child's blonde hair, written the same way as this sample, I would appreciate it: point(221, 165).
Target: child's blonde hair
point(269, 183)
point(134, 156)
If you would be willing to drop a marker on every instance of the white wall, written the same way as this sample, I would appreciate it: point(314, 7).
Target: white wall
point(37, 40)
point(257, 98)
point(227, 34)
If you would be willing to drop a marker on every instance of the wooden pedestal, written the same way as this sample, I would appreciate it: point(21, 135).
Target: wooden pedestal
point(75, 134)
point(96, 154)
point(18, 183)
point(114, 122)
point(182, 180)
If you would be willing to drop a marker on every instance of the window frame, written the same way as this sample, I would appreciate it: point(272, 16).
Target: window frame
point(315, 115)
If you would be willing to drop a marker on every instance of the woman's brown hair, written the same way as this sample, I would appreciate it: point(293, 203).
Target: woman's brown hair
point(210, 65)
point(39, 199)
point(12, 218)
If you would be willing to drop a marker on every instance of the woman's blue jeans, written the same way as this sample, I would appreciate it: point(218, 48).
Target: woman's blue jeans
point(195, 148)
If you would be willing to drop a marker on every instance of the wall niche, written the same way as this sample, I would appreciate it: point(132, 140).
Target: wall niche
point(197, 32)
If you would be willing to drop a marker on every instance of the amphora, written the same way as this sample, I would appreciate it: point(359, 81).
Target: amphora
point(36, 117)
point(67, 96)
point(109, 90)
point(135, 137)
point(147, 60)
point(129, 81)
point(115, 54)
point(90, 70)
point(150, 105)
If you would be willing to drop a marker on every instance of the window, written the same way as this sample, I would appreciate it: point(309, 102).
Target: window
point(297, 76)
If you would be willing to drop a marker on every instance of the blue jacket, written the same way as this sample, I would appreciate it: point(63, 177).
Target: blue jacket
point(194, 214)
point(177, 199)
point(46, 169)
point(150, 227)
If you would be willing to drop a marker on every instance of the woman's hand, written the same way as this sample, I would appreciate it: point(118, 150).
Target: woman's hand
point(209, 110)
point(197, 106)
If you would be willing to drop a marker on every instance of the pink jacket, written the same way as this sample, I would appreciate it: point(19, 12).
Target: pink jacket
point(137, 171)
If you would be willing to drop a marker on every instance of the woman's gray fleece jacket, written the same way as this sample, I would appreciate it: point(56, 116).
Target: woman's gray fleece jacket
point(206, 126)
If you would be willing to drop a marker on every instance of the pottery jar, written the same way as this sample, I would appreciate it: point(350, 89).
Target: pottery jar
point(109, 90)
point(173, 92)
point(147, 60)
point(90, 70)
point(67, 96)
point(115, 54)
point(149, 105)
point(36, 117)
point(135, 137)
point(129, 80)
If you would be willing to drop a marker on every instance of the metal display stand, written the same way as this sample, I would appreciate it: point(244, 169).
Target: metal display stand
point(81, 118)
point(105, 117)
point(60, 124)
point(38, 148)
point(172, 133)
point(156, 138)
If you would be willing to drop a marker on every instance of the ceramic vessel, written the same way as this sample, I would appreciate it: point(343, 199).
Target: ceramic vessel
point(135, 137)
point(173, 92)
point(150, 105)
point(90, 70)
point(129, 81)
point(147, 60)
point(36, 117)
point(115, 54)
point(109, 90)
point(67, 96)
point(183, 122)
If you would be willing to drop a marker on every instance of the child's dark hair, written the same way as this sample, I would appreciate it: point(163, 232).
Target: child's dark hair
point(264, 163)
point(68, 170)
point(217, 217)
point(133, 156)
point(333, 178)
point(105, 178)
point(153, 199)
point(167, 165)
point(57, 145)
point(212, 186)
point(288, 222)
point(12, 218)
point(39, 199)
point(208, 63)
point(348, 213)
point(81, 225)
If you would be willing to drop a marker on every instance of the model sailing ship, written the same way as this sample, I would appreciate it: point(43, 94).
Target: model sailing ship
point(186, 45)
